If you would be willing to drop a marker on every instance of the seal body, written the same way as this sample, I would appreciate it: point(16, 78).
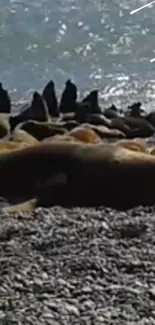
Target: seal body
point(79, 174)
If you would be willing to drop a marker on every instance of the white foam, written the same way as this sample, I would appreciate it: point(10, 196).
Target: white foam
point(138, 9)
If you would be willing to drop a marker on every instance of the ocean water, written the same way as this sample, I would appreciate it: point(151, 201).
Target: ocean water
point(96, 43)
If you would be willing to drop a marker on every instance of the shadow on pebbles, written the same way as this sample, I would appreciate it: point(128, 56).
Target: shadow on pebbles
point(79, 266)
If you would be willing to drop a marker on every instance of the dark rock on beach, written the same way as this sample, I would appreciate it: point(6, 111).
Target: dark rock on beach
point(79, 266)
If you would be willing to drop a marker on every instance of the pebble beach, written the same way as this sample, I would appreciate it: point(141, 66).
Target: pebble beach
point(79, 266)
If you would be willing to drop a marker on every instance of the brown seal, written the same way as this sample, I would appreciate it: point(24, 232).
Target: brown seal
point(106, 133)
point(19, 135)
point(60, 138)
point(79, 174)
point(6, 146)
point(136, 144)
point(85, 134)
point(4, 125)
point(24, 207)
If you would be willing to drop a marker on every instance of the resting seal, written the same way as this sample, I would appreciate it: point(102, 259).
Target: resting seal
point(85, 134)
point(4, 125)
point(22, 136)
point(111, 112)
point(27, 206)
point(79, 174)
point(41, 130)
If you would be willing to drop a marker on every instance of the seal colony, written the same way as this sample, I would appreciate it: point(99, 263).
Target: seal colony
point(73, 152)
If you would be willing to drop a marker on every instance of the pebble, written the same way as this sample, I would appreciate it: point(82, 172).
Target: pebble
point(72, 310)
point(112, 281)
point(86, 290)
point(2, 315)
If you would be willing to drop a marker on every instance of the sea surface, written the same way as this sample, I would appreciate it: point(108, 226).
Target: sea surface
point(96, 43)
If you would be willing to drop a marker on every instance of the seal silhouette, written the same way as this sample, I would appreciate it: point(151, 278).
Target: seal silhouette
point(4, 100)
point(41, 130)
point(68, 98)
point(49, 96)
point(79, 174)
point(37, 111)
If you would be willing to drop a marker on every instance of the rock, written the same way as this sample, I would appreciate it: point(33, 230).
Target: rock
point(86, 290)
point(72, 310)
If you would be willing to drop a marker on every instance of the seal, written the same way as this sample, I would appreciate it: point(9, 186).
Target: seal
point(98, 119)
point(107, 133)
point(41, 130)
point(4, 100)
point(4, 125)
point(6, 145)
point(61, 138)
point(24, 207)
point(68, 98)
point(37, 111)
point(79, 174)
point(135, 109)
point(136, 144)
point(133, 127)
point(50, 98)
point(111, 112)
point(85, 134)
point(151, 118)
point(23, 136)
point(92, 100)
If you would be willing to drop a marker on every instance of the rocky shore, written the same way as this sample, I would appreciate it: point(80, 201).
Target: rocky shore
point(81, 266)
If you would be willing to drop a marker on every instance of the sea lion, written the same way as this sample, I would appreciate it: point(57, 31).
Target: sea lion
point(4, 125)
point(68, 98)
point(19, 135)
point(79, 174)
point(135, 144)
point(111, 112)
point(107, 133)
point(135, 109)
point(133, 127)
point(61, 138)
point(36, 111)
point(49, 96)
point(6, 145)
point(98, 119)
point(151, 118)
point(151, 150)
point(41, 130)
point(92, 100)
point(85, 134)
point(82, 110)
point(5, 102)
point(24, 207)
